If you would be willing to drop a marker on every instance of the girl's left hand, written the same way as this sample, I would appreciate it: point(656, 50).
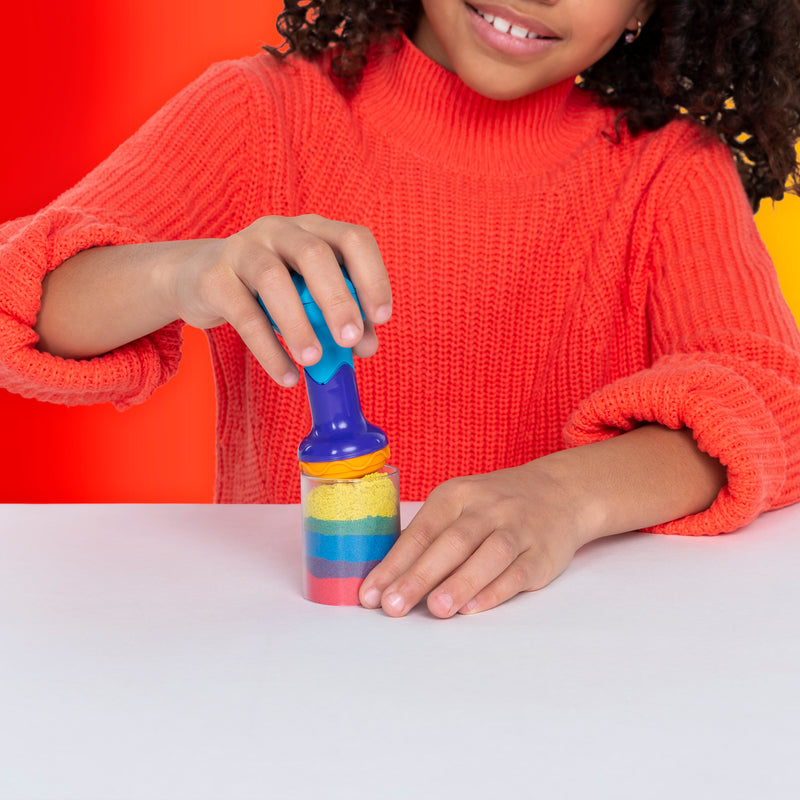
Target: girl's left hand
point(478, 541)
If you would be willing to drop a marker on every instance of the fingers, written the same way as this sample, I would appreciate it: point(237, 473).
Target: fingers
point(257, 262)
point(315, 247)
point(468, 549)
point(454, 568)
point(525, 574)
point(414, 541)
point(354, 246)
point(447, 550)
point(368, 344)
point(492, 558)
point(273, 284)
point(309, 254)
point(242, 311)
point(462, 570)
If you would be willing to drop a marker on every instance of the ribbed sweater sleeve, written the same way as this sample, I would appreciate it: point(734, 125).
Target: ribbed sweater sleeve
point(725, 357)
point(179, 176)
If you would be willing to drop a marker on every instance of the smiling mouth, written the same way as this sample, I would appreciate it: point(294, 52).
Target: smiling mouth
point(504, 26)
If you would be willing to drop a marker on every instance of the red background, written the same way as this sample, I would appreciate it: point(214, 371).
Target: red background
point(78, 78)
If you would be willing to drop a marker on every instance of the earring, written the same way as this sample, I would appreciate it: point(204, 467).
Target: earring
point(631, 36)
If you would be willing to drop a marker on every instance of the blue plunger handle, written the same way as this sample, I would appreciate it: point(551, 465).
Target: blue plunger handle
point(339, 430)
point(333, 354)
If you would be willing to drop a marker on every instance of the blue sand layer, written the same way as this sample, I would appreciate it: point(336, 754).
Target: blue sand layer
point(366, 526)
point(348, 548)
point(322, 568)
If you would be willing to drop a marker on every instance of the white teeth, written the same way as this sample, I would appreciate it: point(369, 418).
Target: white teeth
point(504, 26)
point(501, 25)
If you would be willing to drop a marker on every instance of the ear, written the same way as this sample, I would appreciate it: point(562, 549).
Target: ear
point(641, 13)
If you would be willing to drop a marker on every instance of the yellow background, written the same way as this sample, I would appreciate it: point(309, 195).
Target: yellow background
point(779, 225)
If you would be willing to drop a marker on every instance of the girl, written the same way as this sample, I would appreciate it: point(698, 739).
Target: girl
point(586, 336)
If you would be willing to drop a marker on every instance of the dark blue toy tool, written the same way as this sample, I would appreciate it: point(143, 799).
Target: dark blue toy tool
point(341, 443)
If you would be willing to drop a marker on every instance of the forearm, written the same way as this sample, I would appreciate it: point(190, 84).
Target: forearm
point(105, 297)
point(641, 478)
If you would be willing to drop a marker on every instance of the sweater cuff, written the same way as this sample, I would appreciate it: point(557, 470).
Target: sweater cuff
point(728, 420)
point(126, 376)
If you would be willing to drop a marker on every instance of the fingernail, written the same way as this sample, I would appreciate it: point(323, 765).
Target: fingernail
point(350, 333)
point(445, 602)
point(310, 355)
point(290, 379)
point(372, 598)
point(382, 314)
point(394, 602)
point(467, 608)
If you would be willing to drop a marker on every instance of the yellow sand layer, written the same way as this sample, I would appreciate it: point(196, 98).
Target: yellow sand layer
point(371, 496)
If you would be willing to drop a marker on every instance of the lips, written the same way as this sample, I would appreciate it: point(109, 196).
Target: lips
point(510, 35)
point(508, 22)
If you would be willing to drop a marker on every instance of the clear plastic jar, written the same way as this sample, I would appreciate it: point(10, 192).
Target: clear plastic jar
point(349, 525)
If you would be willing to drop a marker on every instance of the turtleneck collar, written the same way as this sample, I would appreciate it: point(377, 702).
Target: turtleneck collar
point(434, 114)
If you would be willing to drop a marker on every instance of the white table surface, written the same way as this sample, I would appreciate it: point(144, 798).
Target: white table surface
point(157, 651)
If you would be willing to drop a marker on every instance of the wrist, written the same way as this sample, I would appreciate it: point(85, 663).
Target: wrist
point(576, 491)
point(175, 273)
point(644, 477)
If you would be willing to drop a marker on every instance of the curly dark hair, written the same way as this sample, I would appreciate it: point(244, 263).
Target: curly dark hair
point(731, 65)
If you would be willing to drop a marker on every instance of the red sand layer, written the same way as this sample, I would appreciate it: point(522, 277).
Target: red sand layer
point(332, 591)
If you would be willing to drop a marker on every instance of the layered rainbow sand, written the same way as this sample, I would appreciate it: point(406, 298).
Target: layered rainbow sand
point(349, 526)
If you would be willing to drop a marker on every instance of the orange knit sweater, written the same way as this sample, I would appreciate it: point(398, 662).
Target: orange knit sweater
point(553, 286)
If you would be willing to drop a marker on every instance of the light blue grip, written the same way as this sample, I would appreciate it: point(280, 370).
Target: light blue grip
point(333, 354)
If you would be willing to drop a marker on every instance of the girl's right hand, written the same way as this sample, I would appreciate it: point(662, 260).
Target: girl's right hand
point(220, 279)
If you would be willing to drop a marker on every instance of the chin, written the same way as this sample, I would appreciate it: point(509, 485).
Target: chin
point(495, 93)
point(502, 84)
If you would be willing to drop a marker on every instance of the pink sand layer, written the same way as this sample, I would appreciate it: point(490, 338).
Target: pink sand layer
point(332, 591)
